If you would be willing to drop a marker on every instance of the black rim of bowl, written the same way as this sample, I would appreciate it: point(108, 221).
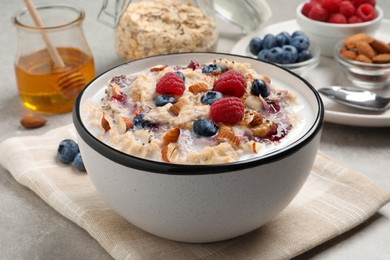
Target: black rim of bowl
point(194, 169)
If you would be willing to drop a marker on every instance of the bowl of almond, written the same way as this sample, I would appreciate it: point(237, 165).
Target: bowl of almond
point(365, 60)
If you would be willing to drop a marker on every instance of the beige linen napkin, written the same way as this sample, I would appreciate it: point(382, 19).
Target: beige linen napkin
point(333, 200)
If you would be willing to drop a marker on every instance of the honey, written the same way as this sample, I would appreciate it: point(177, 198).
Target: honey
point(40, 82)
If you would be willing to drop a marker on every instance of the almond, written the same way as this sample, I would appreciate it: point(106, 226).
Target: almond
point(171, 136)
point(382, 58)
point(105, 124)
point(365, 49)
point(198, 88)
point(30, 121)
point(225, 134)
point(380, 46)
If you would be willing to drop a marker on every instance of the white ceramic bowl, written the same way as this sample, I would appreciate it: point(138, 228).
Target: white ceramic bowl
point(327, 35)
point(201, 203)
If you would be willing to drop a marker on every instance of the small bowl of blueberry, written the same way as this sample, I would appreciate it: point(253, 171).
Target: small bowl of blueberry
point(292, 51)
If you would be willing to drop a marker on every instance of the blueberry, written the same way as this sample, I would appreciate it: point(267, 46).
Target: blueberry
point(67, 151)
point(299, 33)
point(300, 42)
point(210, 97)
point(263, 54)
point(212, 68)
point(282, 38)
point(259, 88)
point(162, 100)
point(290, 54)
point(181, 75)
point(140, 122)
point(204, 127)
point(304, 55)
point(255, 45)
point(269, 41)
point(275, 55)
point(78, 163)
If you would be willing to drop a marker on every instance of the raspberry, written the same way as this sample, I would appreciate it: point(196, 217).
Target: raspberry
point(231, 83)
point(170, 84)
point(347, 9)
point(331, 6)
point(355, 19)
point(337, 18)
point(357, 3)
point(366, 12)
point(306, 8)
point(228, 110)
point(318, 13)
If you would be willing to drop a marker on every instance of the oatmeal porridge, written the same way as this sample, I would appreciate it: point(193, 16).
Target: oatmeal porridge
point(199, 113)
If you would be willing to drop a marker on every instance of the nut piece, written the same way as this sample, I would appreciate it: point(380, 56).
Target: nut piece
point(30, 121)
point(380, 47)
point(348, 54)
point(105, 124)
point(351, 41)
point(172, 135)
point(365, 49)
point(198, 88)
point(175, 108)
point(225, 134)
point(169, 152)
point(382, 58)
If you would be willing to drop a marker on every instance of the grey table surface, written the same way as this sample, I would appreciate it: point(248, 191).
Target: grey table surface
point(30, 229)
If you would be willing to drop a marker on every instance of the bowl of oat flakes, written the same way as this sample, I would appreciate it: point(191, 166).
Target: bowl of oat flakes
point(198, 147)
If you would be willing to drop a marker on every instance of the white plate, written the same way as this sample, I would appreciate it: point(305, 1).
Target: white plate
point(328, 73)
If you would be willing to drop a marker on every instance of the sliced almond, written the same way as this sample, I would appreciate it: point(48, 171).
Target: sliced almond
point(124, 124)
point(105, 124)
point(30, 121)
point(225, 134)
point(158, 68)
point(263, 129)
point(175, 108)
point(256, 120)
point(169, 152)
point(198, 88)
point(171, 136)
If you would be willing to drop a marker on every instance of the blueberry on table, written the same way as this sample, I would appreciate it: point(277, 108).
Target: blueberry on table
point(212, 68)
point(204, 127)
point(255, 45)
point(67, 151)
point(162, 100)
point(290, 54)
point(78, 163)
point(210, 97)
point(259, 88)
